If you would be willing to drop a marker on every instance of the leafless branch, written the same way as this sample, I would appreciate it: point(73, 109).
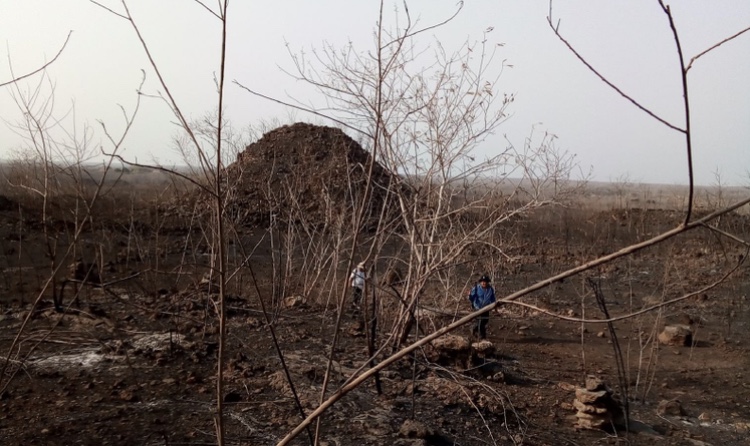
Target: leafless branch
point(211, 11)
point(727, 235)
point(122, 16)
point(607, 81)
point(686, 110)
point(161, 169)
point(713, 47)
point(40, 69)
point(407, 35)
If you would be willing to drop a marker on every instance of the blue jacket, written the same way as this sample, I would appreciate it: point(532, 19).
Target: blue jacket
point(481, 297)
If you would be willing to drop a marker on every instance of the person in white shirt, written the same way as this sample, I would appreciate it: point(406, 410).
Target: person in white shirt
point(357, 279)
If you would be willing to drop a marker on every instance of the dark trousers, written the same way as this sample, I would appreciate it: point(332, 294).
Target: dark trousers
point(356, 297)
point(480, 327)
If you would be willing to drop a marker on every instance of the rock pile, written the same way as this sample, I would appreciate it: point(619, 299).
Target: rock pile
point(450, 350)
point(597, 408)
point(680, 335)
point(303, 173)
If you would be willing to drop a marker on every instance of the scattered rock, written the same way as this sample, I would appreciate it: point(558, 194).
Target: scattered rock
point(128, 395)
point(356, 329)
point(566, 386)
point(160, 342)
point(483, 347)
point(694, 442)
point(294, 301)
point(415, 429)
point(278, 382)
point(451, 343)
point(670, 408)
point(253, 322)
point(448, 391)
point(450, 350)
point(680, 335)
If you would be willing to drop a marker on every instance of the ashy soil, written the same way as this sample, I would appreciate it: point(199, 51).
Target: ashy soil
point(134, 361)
point(132, 366)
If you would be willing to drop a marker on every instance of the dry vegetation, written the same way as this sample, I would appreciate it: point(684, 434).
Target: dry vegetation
point(140, 350)
point(147, 305)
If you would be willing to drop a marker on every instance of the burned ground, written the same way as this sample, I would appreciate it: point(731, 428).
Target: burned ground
point(134, 361)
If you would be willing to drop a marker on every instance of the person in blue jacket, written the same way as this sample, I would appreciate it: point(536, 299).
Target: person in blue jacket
point(480, 296)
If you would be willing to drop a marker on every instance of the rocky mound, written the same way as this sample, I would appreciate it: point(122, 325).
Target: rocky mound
point(303, 173)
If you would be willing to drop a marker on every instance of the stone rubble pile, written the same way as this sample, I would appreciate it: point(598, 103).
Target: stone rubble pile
point(597, 407)
point(304, 173)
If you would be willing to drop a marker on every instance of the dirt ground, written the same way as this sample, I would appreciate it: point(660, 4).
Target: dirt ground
point(134, 363)
point(132, 360)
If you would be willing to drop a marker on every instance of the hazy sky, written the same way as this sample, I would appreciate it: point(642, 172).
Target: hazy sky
point(627, 40)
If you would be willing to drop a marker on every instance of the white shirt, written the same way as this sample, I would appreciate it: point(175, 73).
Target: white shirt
point(358, 279)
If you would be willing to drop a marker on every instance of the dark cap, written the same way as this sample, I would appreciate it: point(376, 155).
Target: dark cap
point(485, 278)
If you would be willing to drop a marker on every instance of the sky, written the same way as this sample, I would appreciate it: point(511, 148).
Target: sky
point(629, 42)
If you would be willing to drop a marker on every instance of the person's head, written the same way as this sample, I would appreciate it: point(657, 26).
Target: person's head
point(361, 266)
point(484, 281)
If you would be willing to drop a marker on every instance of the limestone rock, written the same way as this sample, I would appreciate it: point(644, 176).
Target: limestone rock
point(670, 407)
point(694, 442)
point(588, 408)
point(294, 301)
point(451, 343)
point(450, 350)
point(483, 348)
point(597, 408)
point(566, 386)
point(592, 421)
point(680, 335)
point(588, 397)
point(594, 383)
point(415, 429)
point(499, 377)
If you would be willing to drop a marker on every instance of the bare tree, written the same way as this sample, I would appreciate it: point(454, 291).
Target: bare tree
point(687, 225)
point(423, 112)
point(55, 175)
point(213, 172)
point(19, 77)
